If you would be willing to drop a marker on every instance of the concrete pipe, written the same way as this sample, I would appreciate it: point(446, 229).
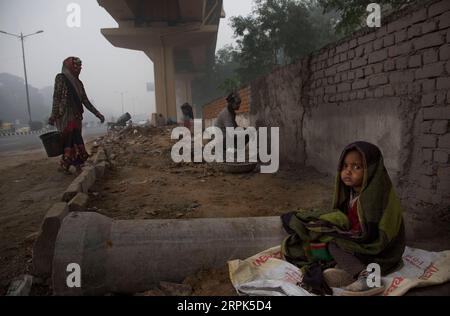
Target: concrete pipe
point(130, 256)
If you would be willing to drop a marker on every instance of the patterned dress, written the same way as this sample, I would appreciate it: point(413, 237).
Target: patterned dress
point(68, 115)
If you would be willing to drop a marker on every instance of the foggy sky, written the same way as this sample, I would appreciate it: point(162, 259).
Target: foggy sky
point(107, 70)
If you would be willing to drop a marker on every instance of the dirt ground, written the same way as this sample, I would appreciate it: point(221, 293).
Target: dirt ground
point(143, 183)
point(29, 185)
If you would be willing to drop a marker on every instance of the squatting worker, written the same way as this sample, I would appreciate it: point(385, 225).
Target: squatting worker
point(227, 117)
point(67, 113)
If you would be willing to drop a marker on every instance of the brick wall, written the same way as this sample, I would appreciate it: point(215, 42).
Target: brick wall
point(389, 86)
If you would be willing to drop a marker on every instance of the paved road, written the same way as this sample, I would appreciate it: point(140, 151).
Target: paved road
point(29, 142)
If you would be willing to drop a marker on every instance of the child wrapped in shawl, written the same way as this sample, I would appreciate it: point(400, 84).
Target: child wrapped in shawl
point(365, 226)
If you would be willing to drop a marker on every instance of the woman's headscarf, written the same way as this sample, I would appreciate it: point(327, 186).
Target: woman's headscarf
point(68, 69)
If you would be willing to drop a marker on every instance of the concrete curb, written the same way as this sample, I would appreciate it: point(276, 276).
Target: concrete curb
point(79, 202)
point(44, 246)
point(74, 199)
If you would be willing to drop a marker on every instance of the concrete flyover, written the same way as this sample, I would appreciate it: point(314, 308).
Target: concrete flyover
point(179, 36)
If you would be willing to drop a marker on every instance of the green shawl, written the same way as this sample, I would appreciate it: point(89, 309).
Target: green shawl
point(382, 239)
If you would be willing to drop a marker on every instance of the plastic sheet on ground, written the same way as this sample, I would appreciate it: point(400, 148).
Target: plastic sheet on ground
point(267, 274)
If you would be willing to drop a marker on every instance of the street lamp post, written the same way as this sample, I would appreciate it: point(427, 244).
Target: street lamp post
point(121, 94)
point(21, 37)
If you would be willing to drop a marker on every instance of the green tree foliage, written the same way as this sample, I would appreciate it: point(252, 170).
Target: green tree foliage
point(221, 77)
point(277, 32)
point(353, 12)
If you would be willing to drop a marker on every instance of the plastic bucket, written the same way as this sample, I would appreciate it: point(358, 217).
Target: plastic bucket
point(52, 143)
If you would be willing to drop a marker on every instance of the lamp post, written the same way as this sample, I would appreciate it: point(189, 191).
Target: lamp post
point(21, 37)
point(121, 94)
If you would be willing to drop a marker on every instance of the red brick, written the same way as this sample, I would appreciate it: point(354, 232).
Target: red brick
point(428, 26)
point(368, 48)
point(444, 52)
point(343, 67)
point(367, 38)
point(400, 49)
point(368, 71)
point(378, 80)
point(389, 65)
point(428, 141)
point(388, 91)
point(439, 127)
point(351, 54)
point(430, 56)
point(401, 63)
point(415, 61)
point(443, 83)
point(378, 56)
point(431, 70)
point(342, 48)
point(441, 156)
point(441, 96)
point(437, 113)
point(378, 92)
point(444, 141)
point(401, 76)
point(439, 8)
point(343, 57)
point(427, 154)
point(351, 75)
point(377, 68)
point(330, 89)
point(389, 40)
point(360, 84)
point(414, 31)
point(361, 94)
point(398, 24)
point(425, 127)
point(429, 40)
point(428, 99)
point(381, 31)
point(359, 62)
point(378, 44)
point(353, 43)
point(418, 16)
point(344, 76)
point(359, 73)
point(330, 71)
point(401, 36)
point(428, 85)
point(336, 59)
point(337, 78)
point(359, 51)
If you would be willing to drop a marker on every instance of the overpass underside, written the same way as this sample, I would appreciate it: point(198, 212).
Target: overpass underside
point(179, 36)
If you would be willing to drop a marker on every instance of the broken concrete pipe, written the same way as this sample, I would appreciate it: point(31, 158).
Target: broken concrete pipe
point(131, 256)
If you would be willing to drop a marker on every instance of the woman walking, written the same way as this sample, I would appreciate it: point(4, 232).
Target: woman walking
point(67, 113)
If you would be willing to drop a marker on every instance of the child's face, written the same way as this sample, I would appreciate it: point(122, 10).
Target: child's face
point(352, 171)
